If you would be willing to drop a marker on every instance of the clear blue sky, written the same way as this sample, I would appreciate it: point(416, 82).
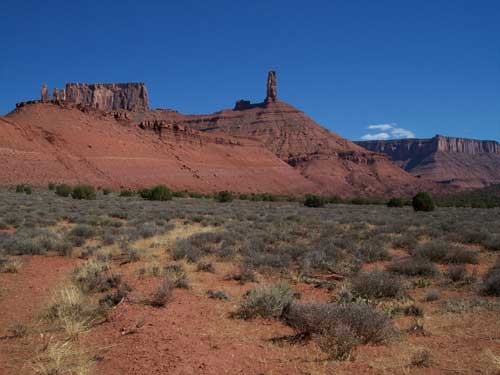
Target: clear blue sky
point(428, 66)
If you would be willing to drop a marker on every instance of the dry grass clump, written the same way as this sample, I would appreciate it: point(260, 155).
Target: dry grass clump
point(267, 301)
point(421, 358)
point(218, 294)
point(73, 312)
point(162, 295)
point(63, 357)
point(9, 265)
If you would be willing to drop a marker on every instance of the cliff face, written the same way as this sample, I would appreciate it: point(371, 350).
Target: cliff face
point(455, 161)
point(464, 145)
point(109, 96)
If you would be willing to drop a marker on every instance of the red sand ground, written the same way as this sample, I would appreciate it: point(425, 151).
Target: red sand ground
point(195, 335)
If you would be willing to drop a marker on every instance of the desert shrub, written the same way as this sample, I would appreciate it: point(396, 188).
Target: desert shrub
point(112, 299)
point(30, 242)
point(443, 252)
point(422, 201)
point(492, 242)
point(243, 274)
point(162, 295)
point(377, 284)
point(147, 230)
point(198, 245)
point(413, 266)
point(267, 301)
point(265, 260)
point(491, 283)
point(153, 268)
point(95, 276)
point(156, 193)
point(82, 231)
point(106, 191)
point(217, 294)
point(63, 190)
point(334, 199)
point(223, 196)
point(205, 267)
point(458, 273)
point(51, 186)
point(338, 341)
point(86, 192)
point(127, 193)
point(396, 202)
point(366, 322)
point(421, 358)
point(130, 254)
point(314, 201)
point(23, 188)
point(432, 295)
point(413, 310)
point(374, 251)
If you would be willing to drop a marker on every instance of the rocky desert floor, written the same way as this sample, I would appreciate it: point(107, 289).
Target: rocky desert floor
point(119, 285)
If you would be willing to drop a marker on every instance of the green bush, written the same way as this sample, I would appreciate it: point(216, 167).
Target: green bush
point(422, 202)
point(107, 191)
point(83, 192)
point(312, 200)
point(127, 193)
point(396, 202)
point(63, 190)
point(156, 193)
point(52, 186)
point(223, 196)
point(22, 188)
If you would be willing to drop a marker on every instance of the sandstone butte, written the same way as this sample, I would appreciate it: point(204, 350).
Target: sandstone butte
point(106, 135)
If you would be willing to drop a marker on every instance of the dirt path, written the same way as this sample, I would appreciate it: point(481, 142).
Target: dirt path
point(22, 296)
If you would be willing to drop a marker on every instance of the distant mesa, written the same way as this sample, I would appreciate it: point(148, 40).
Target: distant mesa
point(461, 162)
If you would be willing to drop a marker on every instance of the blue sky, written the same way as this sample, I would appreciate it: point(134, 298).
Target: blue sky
point(408, 67)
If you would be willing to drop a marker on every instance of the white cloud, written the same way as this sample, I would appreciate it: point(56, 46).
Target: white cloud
point(402, 133)
point(375, 137)
point(387, 131)
point(383, 127)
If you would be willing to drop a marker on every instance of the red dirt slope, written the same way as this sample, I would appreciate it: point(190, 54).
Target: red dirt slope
point(333, 163)
point(44, 142)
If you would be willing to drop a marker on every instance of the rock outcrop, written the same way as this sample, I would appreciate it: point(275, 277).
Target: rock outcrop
point(44, 94)
point(272, 87)
point(109, 96)
point(456, 161)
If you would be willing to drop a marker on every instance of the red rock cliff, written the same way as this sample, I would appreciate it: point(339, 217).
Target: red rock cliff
point(109, 96)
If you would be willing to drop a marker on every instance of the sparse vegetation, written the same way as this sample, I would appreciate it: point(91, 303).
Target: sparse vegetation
point(193, 243)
